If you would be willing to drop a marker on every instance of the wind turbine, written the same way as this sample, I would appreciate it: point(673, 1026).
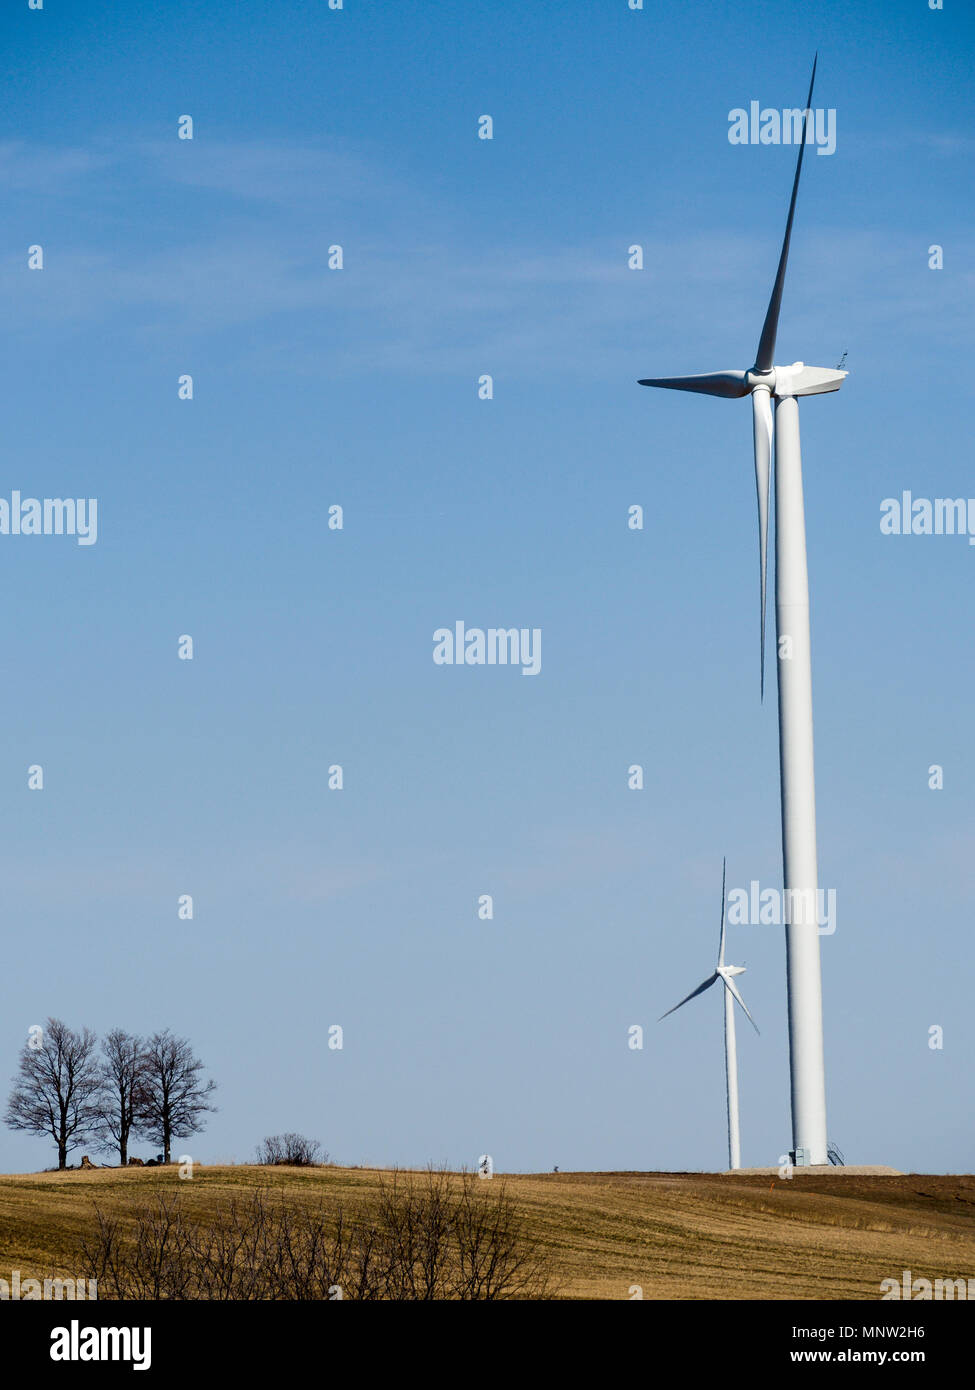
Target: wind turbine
point(765, 382)
point(727, 974)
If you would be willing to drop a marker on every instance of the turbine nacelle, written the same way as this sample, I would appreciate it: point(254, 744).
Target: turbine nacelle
point(798, 380)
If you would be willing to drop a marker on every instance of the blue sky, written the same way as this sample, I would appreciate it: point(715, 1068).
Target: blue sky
point(313, 647)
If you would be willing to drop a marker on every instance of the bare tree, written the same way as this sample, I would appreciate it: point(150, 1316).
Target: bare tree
point(413, 1249)
point(173, 1095)
point(496, 1256)
point(156, 1264)
point(56, 1089)
point(435, 1236)
point(122, 1069)
point(425, 1238)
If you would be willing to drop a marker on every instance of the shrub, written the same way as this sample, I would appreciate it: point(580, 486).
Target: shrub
point(294, 1150)
point(425, 1237)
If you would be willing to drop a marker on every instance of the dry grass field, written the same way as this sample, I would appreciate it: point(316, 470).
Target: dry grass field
point(677, 1235)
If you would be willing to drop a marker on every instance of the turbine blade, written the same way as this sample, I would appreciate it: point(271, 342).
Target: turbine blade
point(766, 345)
point(729, 384)
point(762, 429)
point(724, 865)
point(734, 992)
point(694, 992)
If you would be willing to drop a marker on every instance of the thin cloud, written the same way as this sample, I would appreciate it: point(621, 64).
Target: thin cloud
point(54, 171)
point(405, 302)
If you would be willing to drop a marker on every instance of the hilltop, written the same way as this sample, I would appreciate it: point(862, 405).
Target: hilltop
point(676, 1235)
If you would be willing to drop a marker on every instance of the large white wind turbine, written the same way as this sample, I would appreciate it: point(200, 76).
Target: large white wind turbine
point(765, 382)
point(730, 992)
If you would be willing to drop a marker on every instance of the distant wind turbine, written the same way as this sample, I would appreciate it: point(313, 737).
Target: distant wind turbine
point(763, 382)
point(730, 992)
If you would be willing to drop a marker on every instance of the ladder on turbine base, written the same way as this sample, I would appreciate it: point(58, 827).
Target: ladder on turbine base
point(834, 1156)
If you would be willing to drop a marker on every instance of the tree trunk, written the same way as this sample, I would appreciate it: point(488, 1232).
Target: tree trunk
point(62, 1155)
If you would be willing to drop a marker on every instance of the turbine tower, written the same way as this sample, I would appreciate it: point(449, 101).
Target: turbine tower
point(765, 382)
point(730, 991)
